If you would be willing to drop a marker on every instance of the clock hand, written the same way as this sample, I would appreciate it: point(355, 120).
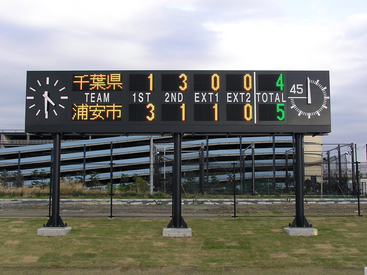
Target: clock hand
point(308, 91)
point(45, 104)
point(49, 100)
point(45, 95)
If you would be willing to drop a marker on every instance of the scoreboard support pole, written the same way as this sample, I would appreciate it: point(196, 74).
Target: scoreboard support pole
point(55, 226)
point(177, 220)
point(300, 225)
point(299, 220)
point(177, 226)
point(55, 219)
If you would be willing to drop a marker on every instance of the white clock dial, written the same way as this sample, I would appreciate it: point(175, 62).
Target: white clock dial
point(311, 102)
point(46, 97)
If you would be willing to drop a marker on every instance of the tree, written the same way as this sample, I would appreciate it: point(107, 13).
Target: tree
point(141, 185)
point(289, 183)
point(94, 180)
point(39, 178)
point(69, 179)
point(214, 182)
point(190, 182)
point(42, 176)
point(231, 180)
point(124, 179)
point(35, 177)
point(133, 185)
point(80, 177)
point(108, 187)
point(4, 178)
point(17, 179)
point(124, 186)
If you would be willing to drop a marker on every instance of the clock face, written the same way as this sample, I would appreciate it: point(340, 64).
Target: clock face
point(309, 98)
point(46, 97)
point(313, 100)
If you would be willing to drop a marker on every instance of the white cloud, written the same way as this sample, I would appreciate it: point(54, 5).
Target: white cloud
point(192, 34)
point(70, 14)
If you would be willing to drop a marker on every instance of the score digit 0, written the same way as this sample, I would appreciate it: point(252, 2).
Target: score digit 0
point(247, 112)
point(247, 82)
point(215, 84)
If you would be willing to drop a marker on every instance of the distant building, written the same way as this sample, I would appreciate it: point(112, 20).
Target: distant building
point(261, 165)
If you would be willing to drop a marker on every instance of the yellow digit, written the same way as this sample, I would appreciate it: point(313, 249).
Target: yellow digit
point(215, 82)
point(247, 82)
point(151, 111)
point(184, 82)
point(183, 111)
point(150, 77)
point(215, 107)
point(247, 112)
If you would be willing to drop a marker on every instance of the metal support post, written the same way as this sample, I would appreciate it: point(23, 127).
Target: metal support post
point(234, 191)
point(55, 220)
point(340, 168)
point(359, 203)
point(111, 179)
point(50, 194)
point(328, 172)
point(253, 168)
point(286, 173)
point(151, 167)
point(357, 179)
point(241, 167)
point(274, 173)
point(201, 169)
point(353, 172)
point(84, 162)
point(19, 161)
point(207, 160)
point(177, 221)
point(299, 220)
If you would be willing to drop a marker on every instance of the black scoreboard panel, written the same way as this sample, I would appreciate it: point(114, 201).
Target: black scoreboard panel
point(159, 102)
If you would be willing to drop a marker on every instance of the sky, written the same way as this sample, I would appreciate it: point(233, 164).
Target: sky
point(190, 35)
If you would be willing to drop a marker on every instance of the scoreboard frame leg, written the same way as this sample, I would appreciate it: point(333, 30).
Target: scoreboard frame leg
point(299, 220)
point(177, 220)
point(55, 220)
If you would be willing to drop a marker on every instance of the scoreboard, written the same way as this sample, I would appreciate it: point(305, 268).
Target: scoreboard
point(160, 102)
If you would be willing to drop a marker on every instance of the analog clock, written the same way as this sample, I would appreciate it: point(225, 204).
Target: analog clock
point(46, 97)
point(309, 100)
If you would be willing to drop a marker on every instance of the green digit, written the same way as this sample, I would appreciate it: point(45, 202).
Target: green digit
point(280, 82)
point(280, 109)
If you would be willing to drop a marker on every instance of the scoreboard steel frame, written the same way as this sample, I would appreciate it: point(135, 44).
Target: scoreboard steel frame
point(165, 102)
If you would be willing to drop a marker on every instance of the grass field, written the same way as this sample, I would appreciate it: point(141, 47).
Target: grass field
point(136, 246)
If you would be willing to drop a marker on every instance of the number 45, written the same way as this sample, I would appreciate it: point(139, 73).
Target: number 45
point(297, 89)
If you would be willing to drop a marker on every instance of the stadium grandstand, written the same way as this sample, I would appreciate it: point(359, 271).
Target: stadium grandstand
point(260, 165)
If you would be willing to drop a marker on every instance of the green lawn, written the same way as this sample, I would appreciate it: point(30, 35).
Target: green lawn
point(254, 245)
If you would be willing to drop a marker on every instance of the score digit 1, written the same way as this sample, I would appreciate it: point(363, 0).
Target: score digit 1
point(150, 77)
point(215, 107)
point(183, 111)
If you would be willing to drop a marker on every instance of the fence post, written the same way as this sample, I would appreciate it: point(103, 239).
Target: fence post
point(234, 190)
